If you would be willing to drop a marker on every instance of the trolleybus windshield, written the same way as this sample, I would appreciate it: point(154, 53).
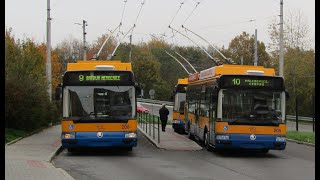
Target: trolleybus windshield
point(99, 103)
point(252, 106)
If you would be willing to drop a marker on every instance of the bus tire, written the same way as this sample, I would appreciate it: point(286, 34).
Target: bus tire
point(190, 136)
point(264, 151)
point(71, 150)
point(206, 141)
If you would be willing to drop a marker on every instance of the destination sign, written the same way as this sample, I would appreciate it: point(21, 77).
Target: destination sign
point(249, 81)
point(79, 78)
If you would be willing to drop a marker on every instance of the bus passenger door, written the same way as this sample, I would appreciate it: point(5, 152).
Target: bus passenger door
point(212, 114)
point(196, 118)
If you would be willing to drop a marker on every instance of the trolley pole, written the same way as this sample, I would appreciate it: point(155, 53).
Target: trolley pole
point(48, 61)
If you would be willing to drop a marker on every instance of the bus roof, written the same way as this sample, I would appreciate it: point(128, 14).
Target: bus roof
point(94, 65)
point(183, 81)
point(231, 69)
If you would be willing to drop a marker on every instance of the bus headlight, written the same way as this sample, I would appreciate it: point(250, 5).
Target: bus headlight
point(131, 135)
point(68, 136)
point(280, 139)
point(222, 137)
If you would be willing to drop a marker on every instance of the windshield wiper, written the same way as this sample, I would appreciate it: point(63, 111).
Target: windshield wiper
point(85, 116)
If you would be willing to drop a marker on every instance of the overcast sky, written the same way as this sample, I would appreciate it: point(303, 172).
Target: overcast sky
point(218, 21)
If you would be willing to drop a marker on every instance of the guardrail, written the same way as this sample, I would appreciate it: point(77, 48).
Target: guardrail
point(168, 103)
point(300, 118)
point(150, 124)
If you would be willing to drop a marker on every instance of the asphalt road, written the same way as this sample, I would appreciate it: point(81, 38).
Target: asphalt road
point(148, 162)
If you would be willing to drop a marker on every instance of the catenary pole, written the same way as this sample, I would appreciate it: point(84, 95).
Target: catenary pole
point(48, 61)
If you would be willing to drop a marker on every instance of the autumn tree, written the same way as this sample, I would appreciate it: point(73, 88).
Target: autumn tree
point(56, 73)
point(27, 105)
point(242, 47)
point(299, 61)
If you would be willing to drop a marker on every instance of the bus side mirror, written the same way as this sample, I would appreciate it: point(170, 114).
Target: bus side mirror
point(215, 93)
point(287, 95)
point(58, 93)
point(138, 89)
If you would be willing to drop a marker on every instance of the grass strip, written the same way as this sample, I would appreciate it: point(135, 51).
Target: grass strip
point(308, 137)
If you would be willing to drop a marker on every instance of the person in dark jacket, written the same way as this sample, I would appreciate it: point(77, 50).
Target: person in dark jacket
point(164, 112)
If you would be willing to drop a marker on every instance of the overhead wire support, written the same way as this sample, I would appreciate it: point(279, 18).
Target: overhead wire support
point(178, 62)
point(215, 60)
point(187, 62)
point(229, 60)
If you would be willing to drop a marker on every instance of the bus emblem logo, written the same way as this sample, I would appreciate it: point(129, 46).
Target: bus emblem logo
point(99, 134)
point(253, 137)
point(70, 126)
point(225, 128)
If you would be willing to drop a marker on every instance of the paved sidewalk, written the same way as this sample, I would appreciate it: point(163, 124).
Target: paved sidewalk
point(170, 140)
point(30, 157)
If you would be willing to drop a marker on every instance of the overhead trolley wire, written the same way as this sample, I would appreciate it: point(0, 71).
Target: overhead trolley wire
point(144, 1)
point(192, 12)
point(215, 60)
point(131, 29)
point(181, 3)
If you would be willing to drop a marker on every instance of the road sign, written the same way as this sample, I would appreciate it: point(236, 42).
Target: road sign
point(152, 92)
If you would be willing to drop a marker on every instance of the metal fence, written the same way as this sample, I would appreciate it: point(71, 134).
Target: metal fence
point(150, 124)
point(168, 103)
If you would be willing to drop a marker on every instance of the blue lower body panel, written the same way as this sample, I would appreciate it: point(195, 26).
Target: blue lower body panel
point(91, 139)
point(243, 141)
point(178, 125)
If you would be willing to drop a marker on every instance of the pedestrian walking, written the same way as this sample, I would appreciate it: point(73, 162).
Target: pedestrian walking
point(163, 112)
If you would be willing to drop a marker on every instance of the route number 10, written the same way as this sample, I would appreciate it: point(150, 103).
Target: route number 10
point(236, 81)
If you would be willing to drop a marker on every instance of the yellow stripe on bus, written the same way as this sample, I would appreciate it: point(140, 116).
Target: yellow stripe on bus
point(176, 114)
point(94, 127)
point(223, 127)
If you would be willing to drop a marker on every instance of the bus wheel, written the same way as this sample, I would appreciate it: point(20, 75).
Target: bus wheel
point(264, 151)
point(206, 141)
point(70, 150)
point(190, 136)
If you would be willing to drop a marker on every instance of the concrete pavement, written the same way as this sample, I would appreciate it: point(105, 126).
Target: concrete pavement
point(170, 140)
point(30, 158)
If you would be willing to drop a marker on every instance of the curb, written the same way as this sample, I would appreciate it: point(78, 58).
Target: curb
point(150, 139)
point(29, 134)
point(11, 142)
point(55, 153)
point(65, 173)
point(300, 142)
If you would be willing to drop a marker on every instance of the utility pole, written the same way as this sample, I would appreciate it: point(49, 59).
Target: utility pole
point(48, 62)
point(255, 49)
point(84, 24)
point(281, 40)
point(130, 52)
